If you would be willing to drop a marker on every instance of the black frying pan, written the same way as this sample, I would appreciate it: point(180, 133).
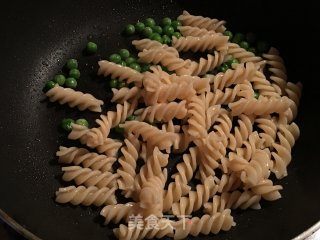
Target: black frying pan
point(37, 38)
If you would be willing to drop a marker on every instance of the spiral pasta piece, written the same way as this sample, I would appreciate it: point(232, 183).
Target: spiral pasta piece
point(199, 84)
point(151, 44)
point(174, 192)
point(96, 136)
point(261, 106)
point(205, 225)
point(243, 55)
point(204, 65)
point(241, 132)
point(88, 159)
point(89, 177)
point(163, 229)
point(235, 199)
point(162, 112)
point(195, 31)
point(149, 203)
point(152, 168)
point(195, 199)
point(282, 149)
point(202, 22)
point(169, 92)
point(267, 190)
point(109, 147)
point(263, 86)
point(239, 75)
point(125, 94)
point(120, 72)
point(197, 120)
point(116, 213)
point(86, 196)
point(127, 171)
point(151, 134)
point(188, 166)
point(166, 59)
point(74, 98)
point(277, 68)
point(203, 43)
point(269, 130)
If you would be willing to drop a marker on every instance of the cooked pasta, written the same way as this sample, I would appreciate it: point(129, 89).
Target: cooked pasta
point(86, 196)
point(226, 120)
point(162, 112)
point(88, 159)
point(203, 43)
point(205, 225)
point(107, 68)
point(202, 22)
point(151, 44)
point(89, 177)
point(74, 98)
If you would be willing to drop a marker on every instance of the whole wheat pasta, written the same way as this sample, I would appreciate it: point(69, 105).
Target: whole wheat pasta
point(225, 120)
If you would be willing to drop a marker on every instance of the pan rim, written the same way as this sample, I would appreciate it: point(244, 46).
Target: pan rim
point(309, 233)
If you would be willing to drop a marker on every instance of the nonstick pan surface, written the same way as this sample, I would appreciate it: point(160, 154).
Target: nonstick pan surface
point(36, 40)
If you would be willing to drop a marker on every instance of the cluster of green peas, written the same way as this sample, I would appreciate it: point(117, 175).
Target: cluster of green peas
point(248, 42)
point(71, 81)
point(162, 33)
point(66, 123)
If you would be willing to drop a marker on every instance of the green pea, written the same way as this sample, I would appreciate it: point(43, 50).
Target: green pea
point(251, 37)
point(131, 117)
point(113, 83)
point(168, 30)
point(119, 130)
point(228, 34)
point(82, 122)
point(130, 60)
point(232, 61)
point(121, 84)
point(157, 29)
point(147, 31)
point(72, 64)
point(145, 67)
point(135, 66)
point(263, 46)
point(166, 39)
point(71, 82)
point(116, 58)
point(124, 53)
point(130, 29)
point(177, 35)
point(48, 86)
point(60, 79)
point(244, 45)
point(74, 73)
point(149, 22)
point(176, 24)
point(166, 21)
point(238, 37)
point(139, 27)
point(224, 67)
point(156, 37)
point(252, 49)
point(256, 94)
point(164, 68)
point(123, 63)
point(91, 48)
point(66, 124)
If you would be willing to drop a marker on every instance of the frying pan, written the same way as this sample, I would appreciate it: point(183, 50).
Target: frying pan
point(36, 40)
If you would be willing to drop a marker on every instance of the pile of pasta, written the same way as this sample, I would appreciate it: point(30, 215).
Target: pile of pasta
point(229, 140)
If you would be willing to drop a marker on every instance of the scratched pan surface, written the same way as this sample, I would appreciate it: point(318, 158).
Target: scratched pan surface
point(37, 38)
